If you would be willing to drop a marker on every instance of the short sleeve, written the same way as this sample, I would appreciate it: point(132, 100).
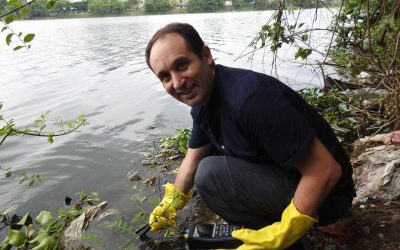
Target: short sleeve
point(197, 138)
point(275, 125)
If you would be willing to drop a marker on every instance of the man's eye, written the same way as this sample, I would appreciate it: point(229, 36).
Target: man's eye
point(182, 66)
point(165, 78)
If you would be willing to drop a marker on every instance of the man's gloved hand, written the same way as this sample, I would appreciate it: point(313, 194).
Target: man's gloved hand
point(280, 235)
point(164, 215)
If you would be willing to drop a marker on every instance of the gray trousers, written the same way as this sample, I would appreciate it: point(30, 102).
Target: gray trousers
point(255, 195)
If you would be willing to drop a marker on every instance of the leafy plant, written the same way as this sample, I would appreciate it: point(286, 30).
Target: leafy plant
point(24, 233)
point(94, 240)
point(205, 5)
point(364, 38)
point(22, 175)
point(8, 128)
point(367, 35)
point(122, 227)
point(345, 111)
point(177, 142)
point(45, 231)
point(13, 10)
point(40, 124)
point(139, 219)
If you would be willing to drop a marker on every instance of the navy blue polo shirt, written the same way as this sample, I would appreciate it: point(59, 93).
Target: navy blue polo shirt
point(255, 117)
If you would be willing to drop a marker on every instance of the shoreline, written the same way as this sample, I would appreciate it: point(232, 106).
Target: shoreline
point(144, 13)
point(132, 13)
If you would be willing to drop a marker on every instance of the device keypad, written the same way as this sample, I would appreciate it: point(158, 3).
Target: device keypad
point(224, 229)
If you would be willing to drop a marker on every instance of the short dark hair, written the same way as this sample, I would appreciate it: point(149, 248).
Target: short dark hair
point(192, 38)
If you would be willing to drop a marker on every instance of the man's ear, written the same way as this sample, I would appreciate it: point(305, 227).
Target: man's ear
point(207, 55)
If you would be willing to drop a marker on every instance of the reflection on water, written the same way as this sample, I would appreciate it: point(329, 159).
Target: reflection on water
point(96, 67)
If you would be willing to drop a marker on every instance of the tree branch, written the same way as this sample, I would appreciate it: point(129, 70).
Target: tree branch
point(16, 9)
point(15, 33)
point(47, 135)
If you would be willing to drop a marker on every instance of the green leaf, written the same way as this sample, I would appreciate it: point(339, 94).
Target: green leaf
point(50, 138)
point(43, 218)
point(8, 174)
point(32, 182)
point(11, 2)
point(306, 53)
point(18, 47)
point(4, 28)
point(8, 38)
point(28, 38)
point(16, 238)
point(24, 11)
point(9, 19)
point(303, 53)
point(298, 53)
point(304, 37)
point(26, 220)
point(50, 4)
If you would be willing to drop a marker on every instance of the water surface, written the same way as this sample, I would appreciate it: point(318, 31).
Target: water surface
point(96, 67)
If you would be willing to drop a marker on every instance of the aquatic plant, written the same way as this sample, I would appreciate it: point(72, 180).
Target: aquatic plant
point(46, 231)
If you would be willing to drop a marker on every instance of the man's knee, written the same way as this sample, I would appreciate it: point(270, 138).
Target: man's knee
point(209, 168)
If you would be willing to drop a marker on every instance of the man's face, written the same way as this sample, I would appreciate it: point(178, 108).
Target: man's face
point(183, 74)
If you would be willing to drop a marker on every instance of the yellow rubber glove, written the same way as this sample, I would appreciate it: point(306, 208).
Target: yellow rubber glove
point(280, 235)
point(164, 215)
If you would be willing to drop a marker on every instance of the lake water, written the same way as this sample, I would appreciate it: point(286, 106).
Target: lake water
point(96, 67)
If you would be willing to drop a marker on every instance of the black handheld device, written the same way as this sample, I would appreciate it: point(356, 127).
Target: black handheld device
point(210, 236)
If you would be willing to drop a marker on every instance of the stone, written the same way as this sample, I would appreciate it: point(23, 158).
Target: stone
point(133, 176)
point(148, 162)
point(375, 138)
point(377, 175)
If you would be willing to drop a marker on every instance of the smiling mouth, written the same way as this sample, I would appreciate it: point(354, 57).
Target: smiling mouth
point(185, 91)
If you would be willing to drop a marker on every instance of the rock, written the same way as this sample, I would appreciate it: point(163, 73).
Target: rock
point(148, 162)
point(371, 105)
point(331, 83)
point(378, 174)
point(375, 138)
point(150, 181)
point(134, 176)
point(174, 157)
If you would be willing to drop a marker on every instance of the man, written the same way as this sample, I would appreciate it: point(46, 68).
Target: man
point(258, 155)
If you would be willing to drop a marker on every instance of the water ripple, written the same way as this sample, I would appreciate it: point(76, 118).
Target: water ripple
point(96, 66)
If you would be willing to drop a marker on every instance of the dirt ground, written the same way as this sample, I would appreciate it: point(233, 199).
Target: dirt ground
point(371, 226)
point(374, 225)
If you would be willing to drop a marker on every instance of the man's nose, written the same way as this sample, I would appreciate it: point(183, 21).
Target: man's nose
point(178, 81)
